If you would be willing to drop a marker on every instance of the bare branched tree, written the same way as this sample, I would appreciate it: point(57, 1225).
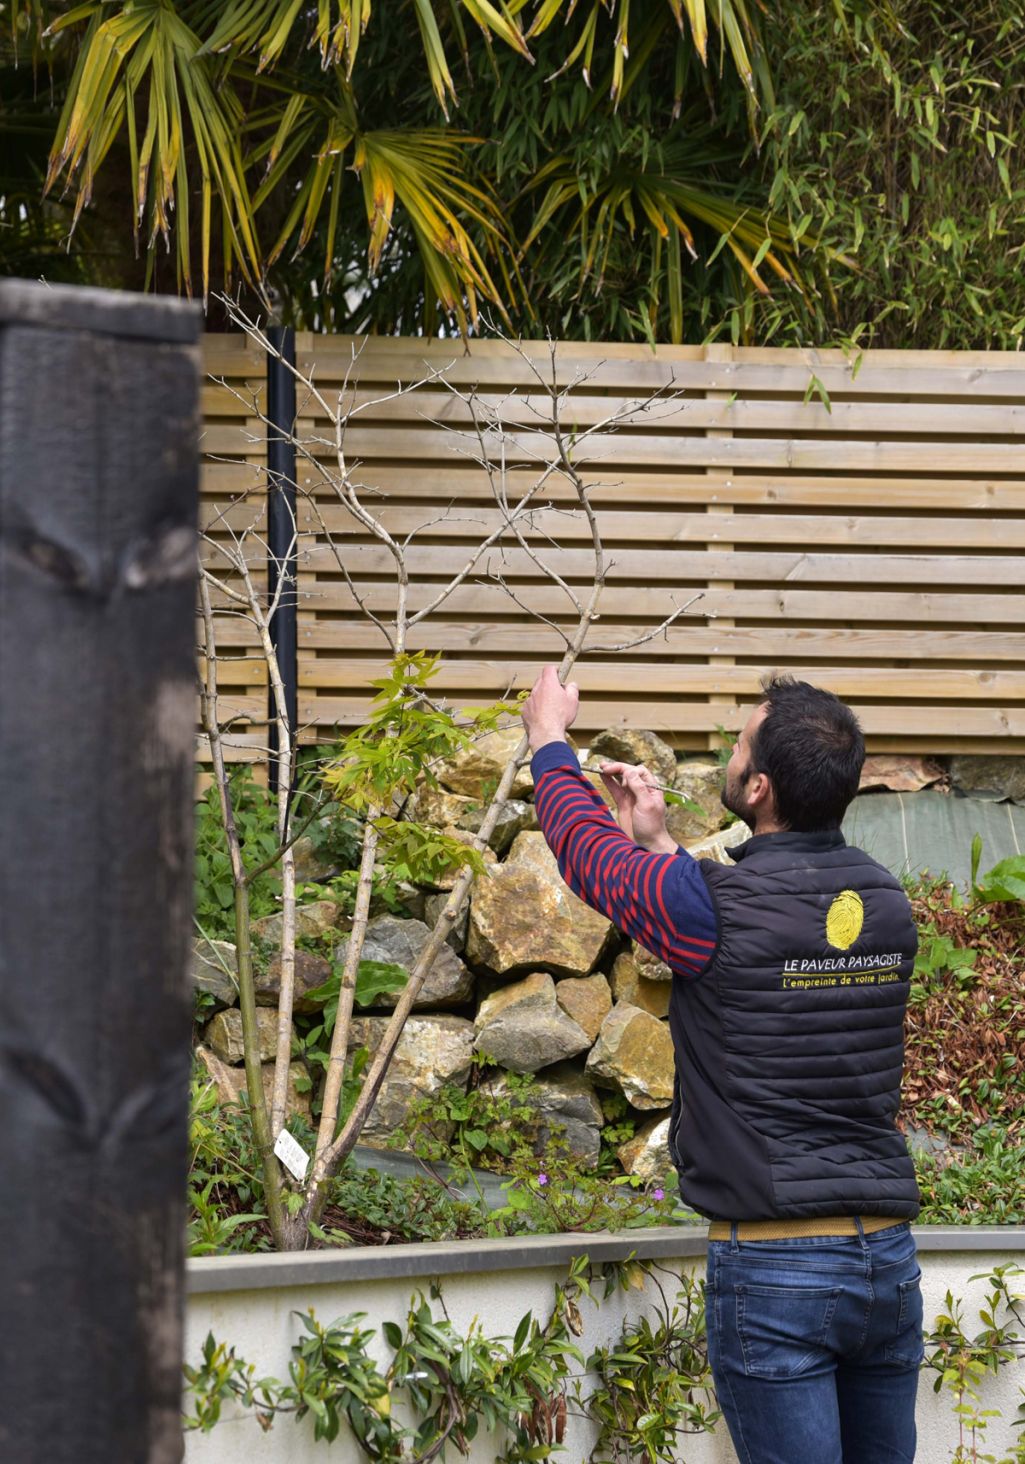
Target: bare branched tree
point(556, 455)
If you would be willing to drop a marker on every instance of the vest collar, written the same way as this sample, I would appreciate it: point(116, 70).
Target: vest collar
point(789, 842)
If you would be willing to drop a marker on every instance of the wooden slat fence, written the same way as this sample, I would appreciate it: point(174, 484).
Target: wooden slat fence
point(860, 523)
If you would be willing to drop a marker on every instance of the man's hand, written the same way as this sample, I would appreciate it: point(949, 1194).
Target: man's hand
point(549, 709)
point(640, 807)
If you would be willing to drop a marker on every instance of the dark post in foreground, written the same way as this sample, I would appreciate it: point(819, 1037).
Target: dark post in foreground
point(98, 468)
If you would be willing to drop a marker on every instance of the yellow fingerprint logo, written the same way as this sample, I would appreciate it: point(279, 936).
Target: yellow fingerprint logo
point(845, 919)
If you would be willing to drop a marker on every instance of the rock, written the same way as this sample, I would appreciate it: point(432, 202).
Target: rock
point(988, 777)
point(462, 836)
point(634, 1053)
point(649, 965)
point(310, 971)
point(646, 1155)
point(410, 896)
point(439, 808)
point(432, 1051)
point(215, 970)
point(587, 999)
point(231, 1082)
point(625, 744)
point(399, 943)
point(476, 771)
point(630, 986)
point(899, 773)
point(567, 1110)
point(433, 906)
point(717, 846)
point(523, 917)
point(224, 1034)
point(523, 1028)
point(444, 810)
point(700, 782)
point(515, 818)
point(921, 1141)
point(311, 921)
point(309, 865)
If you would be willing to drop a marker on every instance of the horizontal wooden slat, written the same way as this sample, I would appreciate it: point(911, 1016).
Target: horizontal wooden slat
point(686, 562)
point(773, 645)
point(328, 673)
point(464, 482)
point(615, 367)
point(673, 715)
point(686, 412)
point(634, 449)
point(926, 607)
point(665, 528)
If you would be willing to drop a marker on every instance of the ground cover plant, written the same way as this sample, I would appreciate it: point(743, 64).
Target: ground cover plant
point(965, 1075)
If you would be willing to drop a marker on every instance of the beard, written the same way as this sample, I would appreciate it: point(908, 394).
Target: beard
point(733, 797)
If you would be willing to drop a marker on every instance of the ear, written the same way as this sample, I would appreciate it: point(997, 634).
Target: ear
point(759, 793)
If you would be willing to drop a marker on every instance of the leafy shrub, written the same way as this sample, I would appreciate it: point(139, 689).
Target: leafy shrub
point(256, 820)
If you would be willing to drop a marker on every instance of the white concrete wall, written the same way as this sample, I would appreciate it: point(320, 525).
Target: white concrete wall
point(261, 1326)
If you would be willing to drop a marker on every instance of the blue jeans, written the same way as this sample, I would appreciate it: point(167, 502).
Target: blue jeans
point(815, 1345)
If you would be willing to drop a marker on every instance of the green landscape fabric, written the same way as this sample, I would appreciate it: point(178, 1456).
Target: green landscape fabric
point(927, 832)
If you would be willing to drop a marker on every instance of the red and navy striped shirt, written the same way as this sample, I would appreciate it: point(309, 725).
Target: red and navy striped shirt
point(661, 900)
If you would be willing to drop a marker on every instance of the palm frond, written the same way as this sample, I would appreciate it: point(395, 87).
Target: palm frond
point(666, 206)
point(146, 58)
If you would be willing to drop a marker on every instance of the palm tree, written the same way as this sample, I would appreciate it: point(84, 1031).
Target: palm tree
point(269, 133)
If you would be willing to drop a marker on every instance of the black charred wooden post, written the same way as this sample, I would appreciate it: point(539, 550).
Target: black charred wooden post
point(98, 493)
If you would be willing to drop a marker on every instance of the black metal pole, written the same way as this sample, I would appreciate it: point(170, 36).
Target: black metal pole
point(281, 526)
point(99, 398)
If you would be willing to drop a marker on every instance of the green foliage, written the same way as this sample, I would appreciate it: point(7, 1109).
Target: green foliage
point(452, 1384)
point(333, 1379)
point(335, 838)
point(619, 1128)
point(1004, 882)
point(312, 1043)
point(654, 1382)
point(962, 1362)
point(379, 764)
point(490, 1126)
point(405, 734)
point(257, 823)
point(225, 1187)
point(373, 1207)
point(980, 1186)
point(555, 1195)
point(896, 138)
point(965, 1025)
point(496, 1126)
point(651, 1386)
point(373, 979)
point(646, 178)
point(260, 114)
point(941, 960)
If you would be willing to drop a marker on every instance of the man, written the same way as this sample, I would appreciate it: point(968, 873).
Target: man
point(790, 979)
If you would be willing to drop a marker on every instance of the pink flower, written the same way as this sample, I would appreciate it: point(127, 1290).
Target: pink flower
point(658, 1194)
point(542, 1179)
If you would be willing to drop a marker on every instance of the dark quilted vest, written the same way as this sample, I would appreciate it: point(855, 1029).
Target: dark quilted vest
point(789, 1046)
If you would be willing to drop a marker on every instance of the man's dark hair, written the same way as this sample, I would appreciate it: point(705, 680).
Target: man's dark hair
point(811, 746)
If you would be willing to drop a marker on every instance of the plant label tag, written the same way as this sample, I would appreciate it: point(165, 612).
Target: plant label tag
point(292, 1155)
